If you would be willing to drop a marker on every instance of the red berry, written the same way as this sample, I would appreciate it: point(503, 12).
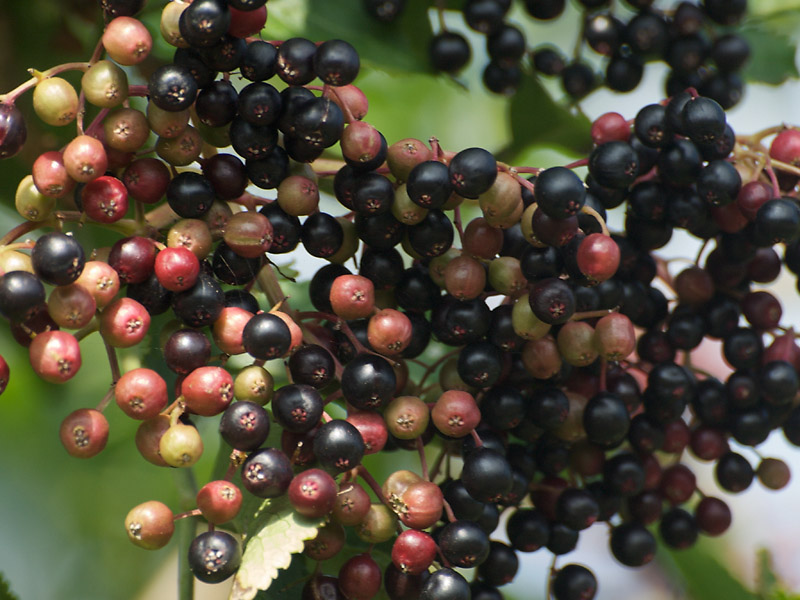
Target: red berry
point(413, 551)
point(372, 428)
point(207, 390)
point(101, 281)
point(150, 525)
point(352, 297)
point(598, 257)
point(4, 374)
point(246, 23)
point(84, 432)
point(389, 331)
point(127, 41)
point(176, 268)
point(55, 356)
point(228, 328)
point(105, 199)
point(124, 323)
point(360, 578)
point(313, 493)
point(141, 393)
point(85, 158)
point(219, 501)
point(610, 127)
point(146, 179)
point(456, 413)
point(50, 175)
point(351, 505)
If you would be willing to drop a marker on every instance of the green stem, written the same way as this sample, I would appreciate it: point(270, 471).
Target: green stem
point(187, 530)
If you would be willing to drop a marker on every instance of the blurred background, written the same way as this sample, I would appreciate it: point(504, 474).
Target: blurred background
point(61, 519)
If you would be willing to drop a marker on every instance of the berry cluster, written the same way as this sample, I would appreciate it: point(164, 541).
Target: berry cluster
point(547, 359)
point(688, 39)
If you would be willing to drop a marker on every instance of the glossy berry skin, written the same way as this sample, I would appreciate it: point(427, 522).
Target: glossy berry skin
point(201, 304)
point(338, 446)
point(141, 393)
point(177, 268)
point(172, 88)
point(21, 295)
point(336, 62)
point(55, 356)
point(360, 578)
point(464, 544)
point(574, 582)
point(632, 544)
point(150, 525)
point(368, 381)
point(449, 51)
point(312, 365)
point(297, 407)
point(267, 473)
point(207, 391)
point(57, 258)
point(472, 172)
point(244, 425)
point(266, 336)
point(219, 501)
point(413, 551)
point(214, 556)
point(84, 432)
point(313, 493)
point(105, 199)
point(13, 131)
point(124, 323)
point(486, 474)
point(500, 566)
point(445, 584)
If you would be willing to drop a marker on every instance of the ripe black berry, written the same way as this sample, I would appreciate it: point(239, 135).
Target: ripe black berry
point(338, 446)
point(244, 425)
point(214, 556)
point(57, 258)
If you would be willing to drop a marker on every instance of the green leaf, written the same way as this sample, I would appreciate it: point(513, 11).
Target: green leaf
point(536, 119)
point(768, 7)
point(402, 45)
point(766, 580)
point(5, 589)
point(772, 41)
point(704, 576)
point(279, 532)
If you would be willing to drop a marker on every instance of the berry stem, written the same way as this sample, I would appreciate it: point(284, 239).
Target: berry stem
point(431, 368)
point(370, 481)
point(551, 576)
point(97, 122)
point(457, 223)
point(422, 458)
point(578, 163)
point(449, 511)
point(187, 530)
point(189, 513)
point(437, 149)
point(101, 406)
point(20, 230)
point(113, 363)
point(755, 138)
point(437, 463)
point(603, 375)
point(477, 438)
point(776, 188)
point(441, 5)
point(590, 314)
point(588, 210)
point(10, 97)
